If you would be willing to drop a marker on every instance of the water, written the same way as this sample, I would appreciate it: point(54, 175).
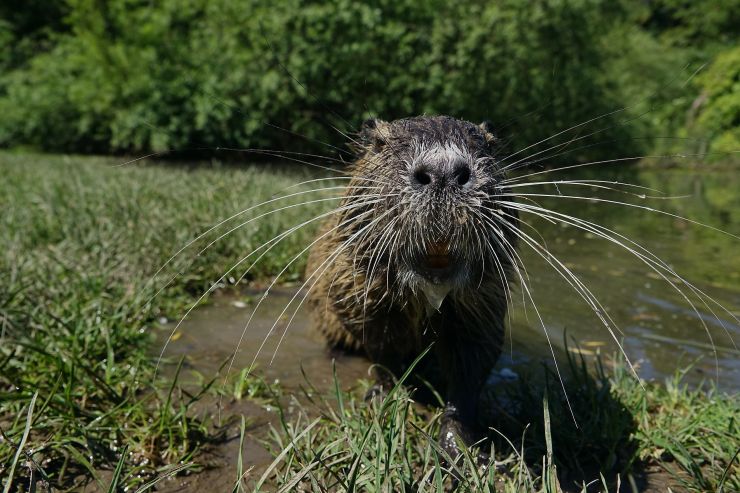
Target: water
point(210, 336)
point(661, 332)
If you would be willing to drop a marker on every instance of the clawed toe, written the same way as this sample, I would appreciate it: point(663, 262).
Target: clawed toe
point(377, 392)
point(451, 431)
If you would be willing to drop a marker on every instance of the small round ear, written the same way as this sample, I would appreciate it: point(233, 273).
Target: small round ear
point(488, 130)
point(373, 134)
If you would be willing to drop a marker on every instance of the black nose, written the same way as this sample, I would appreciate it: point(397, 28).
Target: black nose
point(424, 175)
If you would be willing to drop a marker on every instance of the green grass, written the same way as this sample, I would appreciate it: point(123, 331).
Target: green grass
point(79, 401)
point(79, 242)
point(693, 433)
point(338, 442)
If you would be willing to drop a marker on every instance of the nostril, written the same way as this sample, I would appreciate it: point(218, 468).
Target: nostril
point(462, 175)
point(422, 176)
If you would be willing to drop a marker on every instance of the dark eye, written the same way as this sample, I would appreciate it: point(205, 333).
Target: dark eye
point(462, 175)
point(422, 176)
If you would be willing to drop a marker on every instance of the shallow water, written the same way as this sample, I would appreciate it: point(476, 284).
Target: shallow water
point(210, 335)
point(662, 332)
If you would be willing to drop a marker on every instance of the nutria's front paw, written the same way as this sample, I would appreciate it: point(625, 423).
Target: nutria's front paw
point(383, 383)
point(453, 429)
point(377, 392)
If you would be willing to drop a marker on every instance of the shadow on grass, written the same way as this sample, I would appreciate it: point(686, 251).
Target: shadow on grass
point(592, 432)
point(613, 432)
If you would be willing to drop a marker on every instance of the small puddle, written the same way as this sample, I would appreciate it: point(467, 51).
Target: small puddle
point(212, 333)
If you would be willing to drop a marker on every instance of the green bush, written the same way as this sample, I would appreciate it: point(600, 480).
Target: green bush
point(29, 30)
point(703, 25)
point(135, 76)
point(719, 116)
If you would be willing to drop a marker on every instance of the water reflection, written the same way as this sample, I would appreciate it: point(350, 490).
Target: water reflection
point(661, 331)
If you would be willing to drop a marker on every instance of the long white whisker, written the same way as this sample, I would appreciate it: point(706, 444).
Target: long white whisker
point(566, 130)
point(502, 273)
point(574, 139)
point(656, 264)
point(652, 261)
point(604, 184)
point(627, 204)
point(325, 264)
point(523, 163)
point(331, 178)
point(604, 115)
point(616, 160)
point(499, 233)
point(575, 282)
point(281, 155)
point(344, 244)
point(378, 250)
point(346, 207)
point(274, 281)
point(219, 224)
point(214, 284)
point(273, 211)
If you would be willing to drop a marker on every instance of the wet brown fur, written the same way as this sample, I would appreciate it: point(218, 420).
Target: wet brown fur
point(383, 317)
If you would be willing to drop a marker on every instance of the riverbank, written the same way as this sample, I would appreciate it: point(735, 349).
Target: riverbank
point(80, 402)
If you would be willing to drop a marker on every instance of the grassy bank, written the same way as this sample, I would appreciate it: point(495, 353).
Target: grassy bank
point(622, 435)
point(80, 240)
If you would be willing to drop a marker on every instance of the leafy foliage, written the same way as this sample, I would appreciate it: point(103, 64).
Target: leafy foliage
point(133, 76)
point(697, 24)
point(719, 114)
point(136, 76)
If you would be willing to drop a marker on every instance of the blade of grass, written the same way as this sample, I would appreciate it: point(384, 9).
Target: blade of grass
point(284, 452)
point(167, 474)
point(113, 488)
point(22, 444)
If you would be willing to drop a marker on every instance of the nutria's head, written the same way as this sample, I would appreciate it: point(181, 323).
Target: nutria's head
point(441, 224)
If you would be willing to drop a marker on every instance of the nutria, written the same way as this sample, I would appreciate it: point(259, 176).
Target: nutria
point(422, 251)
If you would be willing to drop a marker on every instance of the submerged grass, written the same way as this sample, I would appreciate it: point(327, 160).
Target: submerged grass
point(79, 241)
